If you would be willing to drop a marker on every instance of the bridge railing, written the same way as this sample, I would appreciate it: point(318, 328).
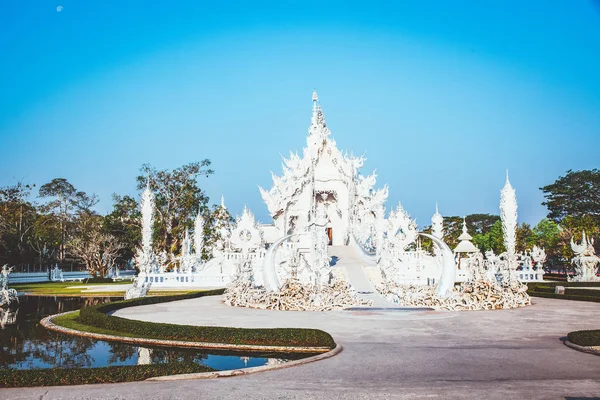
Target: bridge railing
point(367, 256)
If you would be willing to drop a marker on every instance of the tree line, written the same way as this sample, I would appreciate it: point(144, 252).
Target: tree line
point(57, 224)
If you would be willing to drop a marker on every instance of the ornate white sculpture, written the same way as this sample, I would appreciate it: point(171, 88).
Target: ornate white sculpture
point(187, 260)
point(145, 258)
point(585, 260)
point(198, 239)
point(7, 296)
point(399, 232)
point(437, 224)
point(138, 289)
point(538, 255)
point(508, 216)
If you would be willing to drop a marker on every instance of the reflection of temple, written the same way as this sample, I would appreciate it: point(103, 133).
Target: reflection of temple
point(144, 356)
point(325, 178)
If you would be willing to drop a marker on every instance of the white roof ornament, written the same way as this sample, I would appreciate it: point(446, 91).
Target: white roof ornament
point(465, 234)
point(465, 245)
point(315, 99)
point(223, 201)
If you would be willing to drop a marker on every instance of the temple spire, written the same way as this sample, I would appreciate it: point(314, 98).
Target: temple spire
point(315, 99)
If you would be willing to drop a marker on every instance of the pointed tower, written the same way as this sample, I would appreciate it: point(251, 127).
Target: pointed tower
point(437, 224)
point(508, 216)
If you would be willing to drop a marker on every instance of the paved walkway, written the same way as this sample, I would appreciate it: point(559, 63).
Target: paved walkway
point(347, 259)
point(510, 354)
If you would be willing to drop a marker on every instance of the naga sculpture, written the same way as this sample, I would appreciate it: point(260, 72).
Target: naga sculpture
point(139, 289)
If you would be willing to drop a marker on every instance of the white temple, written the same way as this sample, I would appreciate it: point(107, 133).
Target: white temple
point(322, 177)
point(321, 206)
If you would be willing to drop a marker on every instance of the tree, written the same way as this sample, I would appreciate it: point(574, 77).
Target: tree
point(17, 217)
point(525, 238)
point(123, 222)
point(178, 200)
point(45, 238)
point(492, 239)
point(477, 224)
point(97, 249)
point(65, 200)
point(481, 223)
point(577, 194)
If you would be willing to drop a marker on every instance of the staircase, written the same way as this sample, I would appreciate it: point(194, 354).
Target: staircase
point(350, 262)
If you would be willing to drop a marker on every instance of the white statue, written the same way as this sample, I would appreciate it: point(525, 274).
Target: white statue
point(538, 255)
point(7, 296)
point(585, 260)
point(138, 289)
point(145, 257)
point(508, 216)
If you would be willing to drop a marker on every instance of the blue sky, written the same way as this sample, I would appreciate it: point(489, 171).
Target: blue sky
point(441, 96)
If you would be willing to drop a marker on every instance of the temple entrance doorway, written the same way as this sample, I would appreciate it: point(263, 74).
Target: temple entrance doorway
point(330, 236)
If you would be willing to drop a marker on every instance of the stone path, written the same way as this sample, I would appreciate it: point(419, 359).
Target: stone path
point(506, 354)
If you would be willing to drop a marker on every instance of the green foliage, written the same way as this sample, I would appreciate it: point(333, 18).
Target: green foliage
point(546, 233)
point(577, 194)
point(477, 224)
point(64, 203)
point(97, 316)
point(86, 376)
point(17, 219)
point(178, 199)
point(493, 239)
point(123, 222)
point(585, 338)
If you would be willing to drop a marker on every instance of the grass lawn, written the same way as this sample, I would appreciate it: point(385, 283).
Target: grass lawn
point(84, 289)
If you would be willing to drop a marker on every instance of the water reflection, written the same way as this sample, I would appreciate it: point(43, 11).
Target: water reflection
point(25, 344)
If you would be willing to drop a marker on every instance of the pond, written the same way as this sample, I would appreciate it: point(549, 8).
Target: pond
point(25, 344)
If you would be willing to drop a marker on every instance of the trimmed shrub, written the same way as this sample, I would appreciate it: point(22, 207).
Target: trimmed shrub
point(546, 289)
point(585, 338)
point(86, 376)
point(97, 316)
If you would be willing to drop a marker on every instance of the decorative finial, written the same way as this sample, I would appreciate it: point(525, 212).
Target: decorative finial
point(436, 208)
point(465, 225)
point(315, 98)
point(507, 176)
point(222, 201)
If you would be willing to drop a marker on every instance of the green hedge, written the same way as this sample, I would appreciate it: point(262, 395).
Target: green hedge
point(97, 316)
point(546, 289)
point(585, 338)
point(85, 376)
point(98, 280)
